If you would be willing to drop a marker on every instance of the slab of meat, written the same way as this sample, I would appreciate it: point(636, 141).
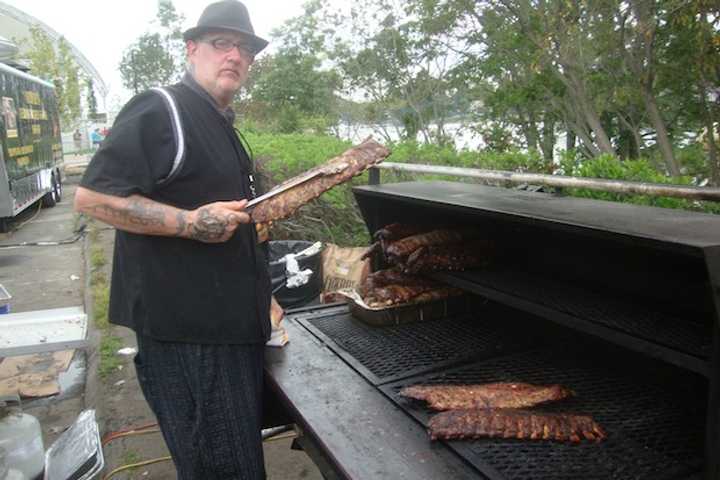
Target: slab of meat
point(399, 249)
point(394, 294)
point(438, 294)
point(391, 276)
point(456, 256)
point(511, 423)
point(396, 231)
point(489, 395)
point(390, 233)
point(334, 172)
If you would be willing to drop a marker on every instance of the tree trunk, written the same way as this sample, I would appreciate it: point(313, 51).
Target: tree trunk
point(635, 131)
point(663, 139)
point(530, 131)
point(547, 142)
point(709, 121)
point(570, 140)
point(583, 104)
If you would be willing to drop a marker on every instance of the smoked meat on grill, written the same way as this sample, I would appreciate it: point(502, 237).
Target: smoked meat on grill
point(334, 172)
point(513, 423)
point(391, 276)
point(455, 256)
point(402, 248)
point(490, 395)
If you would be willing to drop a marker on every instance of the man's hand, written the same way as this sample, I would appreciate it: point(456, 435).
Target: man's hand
point(215, 222)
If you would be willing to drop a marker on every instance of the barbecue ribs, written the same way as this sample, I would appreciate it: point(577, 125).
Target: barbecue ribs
point(334, 172)
point(512, 423)
point(454, 256)
point(490, 395)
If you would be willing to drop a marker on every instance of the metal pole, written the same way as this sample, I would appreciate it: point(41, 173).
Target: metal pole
point(374, 178)
point(616, 186)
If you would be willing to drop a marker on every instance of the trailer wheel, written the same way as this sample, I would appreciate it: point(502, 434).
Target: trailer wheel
point(4, 225)
point(48, 200)
point(57, 187)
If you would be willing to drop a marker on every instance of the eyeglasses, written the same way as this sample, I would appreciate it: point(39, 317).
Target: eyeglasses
point(225, 45)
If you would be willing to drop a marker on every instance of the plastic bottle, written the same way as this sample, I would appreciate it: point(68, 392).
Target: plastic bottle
point(21, 440)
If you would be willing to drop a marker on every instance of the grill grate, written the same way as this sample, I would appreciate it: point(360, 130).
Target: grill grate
point(385, 354)
point(626, 316)
point(653, 433)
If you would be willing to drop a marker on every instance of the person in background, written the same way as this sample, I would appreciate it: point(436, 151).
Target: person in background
point(77, 140)
point(188, 275)
point(96, 138)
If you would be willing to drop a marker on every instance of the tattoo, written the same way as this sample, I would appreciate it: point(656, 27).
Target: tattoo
point(209, 227)
point(181, 223)
point(136, 213)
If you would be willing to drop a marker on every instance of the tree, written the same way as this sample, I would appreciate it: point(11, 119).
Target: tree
point(157, 57)
point(289, 89)
point(55, 62)
point(400, 68)
point(91, 99)
point(147, 63)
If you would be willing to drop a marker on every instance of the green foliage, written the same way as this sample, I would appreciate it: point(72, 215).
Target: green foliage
point(413, 152)
point(335, 218)
point(101, 303)
point(55, 62)
point(109, 360)
point(147, 63)
point(609, 167)
point(155, 58)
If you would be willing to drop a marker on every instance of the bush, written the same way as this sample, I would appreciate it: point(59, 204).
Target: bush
point(335, 217)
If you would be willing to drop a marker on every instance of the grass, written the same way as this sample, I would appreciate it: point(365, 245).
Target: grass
point(100, 292)
point(131, 457)
point(109, 360)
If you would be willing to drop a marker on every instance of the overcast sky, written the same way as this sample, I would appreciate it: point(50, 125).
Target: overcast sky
point(102, 29)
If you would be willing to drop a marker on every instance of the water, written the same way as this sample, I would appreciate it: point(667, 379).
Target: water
point(464, 138)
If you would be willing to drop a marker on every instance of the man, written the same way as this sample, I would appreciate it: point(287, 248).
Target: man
point(188, 276)
point(77, 140)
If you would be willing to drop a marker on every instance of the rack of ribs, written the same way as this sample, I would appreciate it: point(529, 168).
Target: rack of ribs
point(334, 172)
point(455, 256)
point(512, 423)
point(391, 276)
point(400, 249)
point(489, 395)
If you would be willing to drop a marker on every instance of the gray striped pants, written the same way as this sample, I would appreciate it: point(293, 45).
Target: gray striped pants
point(208, 402)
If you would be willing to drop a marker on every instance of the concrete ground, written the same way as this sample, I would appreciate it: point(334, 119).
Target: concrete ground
point(41, 277)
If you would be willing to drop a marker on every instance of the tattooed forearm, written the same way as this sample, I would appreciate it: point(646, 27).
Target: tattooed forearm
point(135, 213)
point(208, 227)
point(180, 219)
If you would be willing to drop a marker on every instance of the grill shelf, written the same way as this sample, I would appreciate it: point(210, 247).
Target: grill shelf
point(654, 432)
point(655, 332)
point(386, 354)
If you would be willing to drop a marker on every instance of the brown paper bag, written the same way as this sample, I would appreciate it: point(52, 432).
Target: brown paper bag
point(342, 268)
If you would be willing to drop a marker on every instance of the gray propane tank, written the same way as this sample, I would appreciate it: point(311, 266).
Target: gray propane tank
point(20, 441)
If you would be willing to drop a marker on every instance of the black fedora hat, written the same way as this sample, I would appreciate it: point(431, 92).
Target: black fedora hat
point(228, 15)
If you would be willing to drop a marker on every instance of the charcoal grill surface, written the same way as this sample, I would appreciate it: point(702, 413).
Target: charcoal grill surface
point(654, 431)
point(386, 354)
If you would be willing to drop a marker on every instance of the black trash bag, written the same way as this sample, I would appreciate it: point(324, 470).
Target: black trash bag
point(305, 294)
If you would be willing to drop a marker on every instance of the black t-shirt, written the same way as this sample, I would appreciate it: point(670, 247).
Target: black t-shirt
point(170, 288)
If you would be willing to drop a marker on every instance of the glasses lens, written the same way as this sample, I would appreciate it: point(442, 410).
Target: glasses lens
point(222, 44)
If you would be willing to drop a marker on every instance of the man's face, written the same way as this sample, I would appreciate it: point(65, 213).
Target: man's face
point(219, 65)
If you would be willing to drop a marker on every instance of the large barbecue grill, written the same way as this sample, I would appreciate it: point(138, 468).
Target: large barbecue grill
point(617, 302)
